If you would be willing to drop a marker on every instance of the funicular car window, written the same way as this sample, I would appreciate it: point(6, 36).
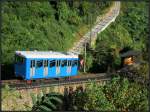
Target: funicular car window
point(39, 63)
point(58, 62)
point(52, 63)
point(64, 63)
point(33, 63)
point(69, 62)
point(74, 63)
point(45, 63)
point(19, 59)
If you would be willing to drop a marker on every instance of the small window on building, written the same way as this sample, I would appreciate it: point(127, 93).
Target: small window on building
point(39, 63)
point(52, 63)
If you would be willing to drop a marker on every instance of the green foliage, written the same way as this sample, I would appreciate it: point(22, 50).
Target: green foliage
point(103, 58)
point(7, 92)
point(78, 96)
point(136, 19)
point(96, 99)
point(46, 102)
point(63, 11)
point(141, 70)
point(89, 61)
point(126, 96)
point(41, 26)
point(117, 95)
point(129, 30)
point(74, 18)
point(11, 98)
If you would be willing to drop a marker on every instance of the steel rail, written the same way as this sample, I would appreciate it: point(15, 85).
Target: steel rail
point(58, 83)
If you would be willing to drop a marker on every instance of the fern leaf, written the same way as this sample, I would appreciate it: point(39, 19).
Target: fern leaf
point(49, 103)
point(56, 99)
point(44, 108)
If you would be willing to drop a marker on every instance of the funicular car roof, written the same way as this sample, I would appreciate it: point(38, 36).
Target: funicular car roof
point(45, 54)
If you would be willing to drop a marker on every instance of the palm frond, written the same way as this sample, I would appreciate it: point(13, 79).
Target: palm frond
point(44, 108)
point(49, 103)
point(56, 99)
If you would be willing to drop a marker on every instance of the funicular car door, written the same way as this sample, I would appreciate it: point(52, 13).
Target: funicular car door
point(45, 68)
point(52, 68)
point(74, 67)
point(63, 68)
point(58, 62)
point(39, 69)
point(32, 68)
point(69, 67)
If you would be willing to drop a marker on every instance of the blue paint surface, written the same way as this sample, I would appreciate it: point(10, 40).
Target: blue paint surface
point(24, 69)
point(20, 69)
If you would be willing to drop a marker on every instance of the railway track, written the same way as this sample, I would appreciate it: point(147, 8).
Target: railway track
point(17, 84)
point(101, 25)
point(52, 82)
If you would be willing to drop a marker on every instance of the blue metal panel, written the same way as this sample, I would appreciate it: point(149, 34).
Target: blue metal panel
point(63, 69)
point(39, 70)
point(20, 69)
point(17, 70)
point(70, 68)
point(47, 65)
point(58, 68)
point(27, 69)
point(74, 69)
point(51, 70)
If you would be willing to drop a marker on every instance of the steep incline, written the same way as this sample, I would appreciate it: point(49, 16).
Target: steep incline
point(99, 27)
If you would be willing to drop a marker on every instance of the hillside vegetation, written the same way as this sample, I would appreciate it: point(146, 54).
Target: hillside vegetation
point(129, 31)
point(117, 95)
point(45, 25)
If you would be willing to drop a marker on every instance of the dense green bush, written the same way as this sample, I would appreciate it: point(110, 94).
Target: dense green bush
point(117, 95)
point(43, 25)
point(129, 30)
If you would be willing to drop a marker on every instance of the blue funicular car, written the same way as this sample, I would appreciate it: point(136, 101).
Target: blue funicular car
point(31, 65)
